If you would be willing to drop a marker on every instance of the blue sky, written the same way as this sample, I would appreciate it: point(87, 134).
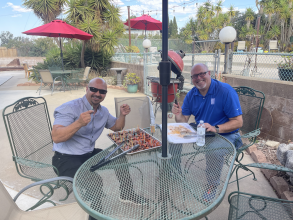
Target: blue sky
point(16, 19)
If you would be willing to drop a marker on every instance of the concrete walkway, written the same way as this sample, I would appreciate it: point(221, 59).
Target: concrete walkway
point(9, 93)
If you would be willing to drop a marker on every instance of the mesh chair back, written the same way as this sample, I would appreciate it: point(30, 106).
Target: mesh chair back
point(273, 45)
point(86, 73)
point(29, 128)
point(140, 111)
point(241, 45)
point(46, 76)
point(251, 102)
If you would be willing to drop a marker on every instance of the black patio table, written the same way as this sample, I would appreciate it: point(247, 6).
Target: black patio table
point(172, 188)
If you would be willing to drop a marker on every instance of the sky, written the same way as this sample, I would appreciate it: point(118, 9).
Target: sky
point(17, 19)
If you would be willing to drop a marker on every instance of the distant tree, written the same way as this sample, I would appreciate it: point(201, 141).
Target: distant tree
point(174, 28)
point(5, 37)
point(170, 29)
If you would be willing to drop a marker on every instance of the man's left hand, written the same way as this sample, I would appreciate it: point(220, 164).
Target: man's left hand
point(125, 109)
point(210, 127)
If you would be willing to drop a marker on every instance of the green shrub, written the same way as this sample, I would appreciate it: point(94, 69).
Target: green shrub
point(131, 78)
point(132, 49)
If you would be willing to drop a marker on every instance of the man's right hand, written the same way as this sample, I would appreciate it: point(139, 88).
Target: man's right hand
point(85, 118)
point(176, 109)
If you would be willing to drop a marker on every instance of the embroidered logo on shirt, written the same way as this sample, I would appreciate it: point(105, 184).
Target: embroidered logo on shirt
point(213, 101)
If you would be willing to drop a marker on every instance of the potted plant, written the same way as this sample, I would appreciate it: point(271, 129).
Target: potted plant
point(285, 68)
point(130, 82)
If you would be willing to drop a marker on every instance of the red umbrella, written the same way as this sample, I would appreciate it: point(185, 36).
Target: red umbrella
point(145, 22)
point(59, 28)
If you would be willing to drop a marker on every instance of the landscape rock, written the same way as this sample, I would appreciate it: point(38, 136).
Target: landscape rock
point(281, 153)
point(289, 161)
point(273, 144)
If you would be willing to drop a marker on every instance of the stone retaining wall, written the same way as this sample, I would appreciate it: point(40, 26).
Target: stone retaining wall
point(277, 116)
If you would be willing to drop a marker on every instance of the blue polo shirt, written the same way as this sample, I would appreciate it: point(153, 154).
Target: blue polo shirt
point(219, 104)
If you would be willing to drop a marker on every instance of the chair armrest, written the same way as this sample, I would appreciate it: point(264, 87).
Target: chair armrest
point(270, 167)
point(257, 197)
point(42, 182)
point(34, 164)
point(249, 135)
point(30, 163)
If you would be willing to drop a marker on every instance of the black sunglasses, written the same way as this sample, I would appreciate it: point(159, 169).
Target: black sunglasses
point(101, 91)
point(197, 75)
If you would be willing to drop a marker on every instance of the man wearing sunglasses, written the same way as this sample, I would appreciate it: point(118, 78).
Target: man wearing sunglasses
point(217, 104)
point(77, 126)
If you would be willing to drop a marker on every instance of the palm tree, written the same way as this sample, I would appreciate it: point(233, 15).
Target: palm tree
point(249, 16)
point(269, 9)
point(99, 18)
point(218, 7)
point(200, 15)
point(47, 10)
point(231, 12)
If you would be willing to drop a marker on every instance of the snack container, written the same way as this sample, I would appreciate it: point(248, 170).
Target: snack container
point(131, 137)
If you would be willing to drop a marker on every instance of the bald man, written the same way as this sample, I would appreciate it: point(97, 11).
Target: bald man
point(217, 104)
point(77, 126)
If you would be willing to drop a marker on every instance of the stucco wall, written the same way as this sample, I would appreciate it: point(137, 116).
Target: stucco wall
point(277, 117)
point(30, 60)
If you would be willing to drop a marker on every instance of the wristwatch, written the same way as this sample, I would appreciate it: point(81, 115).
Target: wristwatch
point(217, 128)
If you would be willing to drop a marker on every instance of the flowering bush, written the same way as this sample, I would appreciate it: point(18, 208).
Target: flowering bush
point(131, 78)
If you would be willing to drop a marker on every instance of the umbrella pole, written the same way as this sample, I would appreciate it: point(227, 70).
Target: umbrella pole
point(61, 53)
point(165, 72)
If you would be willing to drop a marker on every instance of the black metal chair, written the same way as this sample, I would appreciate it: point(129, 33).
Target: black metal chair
point(251, 102)
point(28, 127)
point(258, 207)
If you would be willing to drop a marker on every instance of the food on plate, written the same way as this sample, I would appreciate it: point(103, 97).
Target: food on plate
point(133, 137)
point(178, 130)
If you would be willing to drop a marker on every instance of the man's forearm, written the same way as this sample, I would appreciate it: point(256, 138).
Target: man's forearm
point(231, 125)
point(181, 118)
point(120, 123)
point(62, 133)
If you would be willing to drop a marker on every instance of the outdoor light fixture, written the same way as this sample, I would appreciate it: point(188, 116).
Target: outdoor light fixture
point(146, 44)
point(227, 35)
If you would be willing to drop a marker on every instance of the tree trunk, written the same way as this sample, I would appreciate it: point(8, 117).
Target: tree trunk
point(82, 55)
point(248, 24)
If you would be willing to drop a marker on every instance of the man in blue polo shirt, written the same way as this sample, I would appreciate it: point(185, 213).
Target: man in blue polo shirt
point(217, 104)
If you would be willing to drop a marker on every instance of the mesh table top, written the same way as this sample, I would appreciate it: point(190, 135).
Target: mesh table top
point(142, 186)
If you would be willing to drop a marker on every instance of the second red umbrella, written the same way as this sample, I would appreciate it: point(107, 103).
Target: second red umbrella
point(59, 28)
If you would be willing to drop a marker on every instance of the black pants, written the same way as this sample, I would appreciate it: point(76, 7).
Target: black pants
point(67, 164)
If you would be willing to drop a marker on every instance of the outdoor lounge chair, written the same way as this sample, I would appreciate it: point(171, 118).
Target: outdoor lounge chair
point(251, 102)
point(241, 46)
point(273, 45)
point(47, 79)
point(257, 207)
point(10, 211)
point(27, 71)
point(140, 116)
point(28, 127)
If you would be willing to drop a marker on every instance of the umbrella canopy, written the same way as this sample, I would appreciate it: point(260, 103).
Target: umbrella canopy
point(145, 22)
point(59, 28)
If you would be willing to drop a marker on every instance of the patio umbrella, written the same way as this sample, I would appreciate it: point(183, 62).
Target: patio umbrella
point(145, 22)
point(59, 28)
